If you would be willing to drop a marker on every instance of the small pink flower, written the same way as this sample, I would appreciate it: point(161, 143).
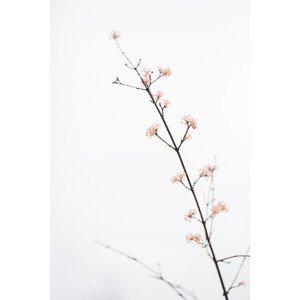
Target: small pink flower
point(188, 136)
point(243, 283)
point(158, 94)
point(147, 71)
point(146, 76)
point(178, 177)
point(218, 207)
point(114, 35)
point(189, 121)
point(207, 171)
point(190, 215)
point(152, 130)
point(146, 80)
point(164, 71)
point(166, 103)
point(196, 237)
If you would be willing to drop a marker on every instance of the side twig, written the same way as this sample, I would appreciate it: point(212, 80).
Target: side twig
point(179, 290)
point(233, 285)
point(233, 256)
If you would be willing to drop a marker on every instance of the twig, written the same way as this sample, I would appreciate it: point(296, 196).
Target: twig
point(164, 141)
point(184, 185)
point(238, 272)
point(197, 219)
point(128, 85)
point(184, 137)
point(233, 256)
point(212, 192)
point(155, 80)
point(195, 181)
point(179, 290)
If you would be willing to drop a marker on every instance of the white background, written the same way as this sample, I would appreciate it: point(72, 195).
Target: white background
point(111, 182)
point(25, 151)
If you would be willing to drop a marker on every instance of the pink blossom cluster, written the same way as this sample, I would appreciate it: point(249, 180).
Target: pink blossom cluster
point(146, 76)
point(164, 103)
point(218, 207)
point(178, 177)
point(164, 71)
point(196, 237)
point(190, 215)
point(189, 121)
point(207, 171)
point(152, 130)
point(158, 95)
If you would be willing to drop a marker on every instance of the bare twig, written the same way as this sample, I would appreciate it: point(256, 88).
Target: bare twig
point(117, 81)
point(195, 181)
point(184, 185)
point(233, 256)
point(197, 219)
point(179, 290)
point(164, 141)
point(238, 272)
point(159, 76)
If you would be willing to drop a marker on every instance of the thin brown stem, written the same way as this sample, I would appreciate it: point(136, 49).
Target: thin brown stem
point(164, 141)
point(185, 185)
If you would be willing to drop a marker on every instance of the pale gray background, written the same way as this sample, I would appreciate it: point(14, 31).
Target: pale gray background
point(112, 183)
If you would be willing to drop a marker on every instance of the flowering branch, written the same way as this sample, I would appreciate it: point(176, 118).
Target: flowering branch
point(146, 81)
point(179, 290)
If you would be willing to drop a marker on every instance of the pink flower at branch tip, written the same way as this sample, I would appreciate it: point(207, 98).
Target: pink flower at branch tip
point(196, 237)
point(190, 215)
point(147, 71)
point(114, 35)
point(164, 71)
point(166, 103)
point(146, 75)
point(152, 130)
point(243, 283)
point(146, 80)
point(178, 177)
point(189, 121)
point(158, 94)
point(207, 171)
point(218, 207)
